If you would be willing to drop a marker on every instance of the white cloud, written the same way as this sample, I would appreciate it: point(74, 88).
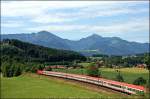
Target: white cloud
point(87, 11)
point(31, 8)
point(58, 28)
point(38, 8)
point(11, 24)
point(134, 25)
point(52, 19)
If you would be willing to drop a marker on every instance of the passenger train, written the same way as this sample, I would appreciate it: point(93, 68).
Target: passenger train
point(115, 85)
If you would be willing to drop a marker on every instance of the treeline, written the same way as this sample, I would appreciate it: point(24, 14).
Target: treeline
point(125, 61)
point(21, 56)
point(30, 52)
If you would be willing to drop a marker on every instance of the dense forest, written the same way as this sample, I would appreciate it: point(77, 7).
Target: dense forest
point(18, 56)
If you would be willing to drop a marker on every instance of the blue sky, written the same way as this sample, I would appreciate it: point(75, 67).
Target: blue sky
point(74, 20)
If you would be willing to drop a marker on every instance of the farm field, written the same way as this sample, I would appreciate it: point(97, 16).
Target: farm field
point(35, 86)
point(129, 74)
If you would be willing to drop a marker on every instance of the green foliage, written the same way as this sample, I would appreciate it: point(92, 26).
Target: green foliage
point(99, 55)
point(32, 67)
point(5, 69)
point(10, 70)
point(75, 64)
point(125, 61)
point(18, 56)
point(139, 81)
point(41, 67)
point(58, 63)
point(120, 78)
point(92, 70)
point(147, 60)
point(33, 53)
point(17, 71)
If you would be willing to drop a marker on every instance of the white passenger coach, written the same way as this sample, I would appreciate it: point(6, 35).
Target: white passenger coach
point(115, 85)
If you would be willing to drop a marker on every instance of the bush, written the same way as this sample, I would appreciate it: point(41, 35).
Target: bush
point(92, 70)
point(139, 81)
point(119, 78)
point(33, 69)
point(41, 67)
point(10, 70)
point(17, 71)
point(5, 69)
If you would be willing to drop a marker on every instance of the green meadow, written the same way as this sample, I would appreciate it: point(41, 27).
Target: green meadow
point(34, 86)
point(129, 74)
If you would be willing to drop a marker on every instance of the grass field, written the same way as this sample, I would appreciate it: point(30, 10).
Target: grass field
point(33, 86)
point(84, 64)
point(129, 74)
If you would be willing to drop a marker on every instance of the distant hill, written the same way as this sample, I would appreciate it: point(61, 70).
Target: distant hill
point(43, 38)
point(93, 44)
point(22, 51)
point(111, 45)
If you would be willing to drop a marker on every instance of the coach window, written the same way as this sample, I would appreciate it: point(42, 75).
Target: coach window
point(130, 89)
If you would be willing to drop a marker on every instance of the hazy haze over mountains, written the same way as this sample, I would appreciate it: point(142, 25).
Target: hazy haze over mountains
point(88, 45)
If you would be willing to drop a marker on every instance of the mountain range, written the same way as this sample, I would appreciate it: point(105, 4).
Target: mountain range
point(93, 44)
